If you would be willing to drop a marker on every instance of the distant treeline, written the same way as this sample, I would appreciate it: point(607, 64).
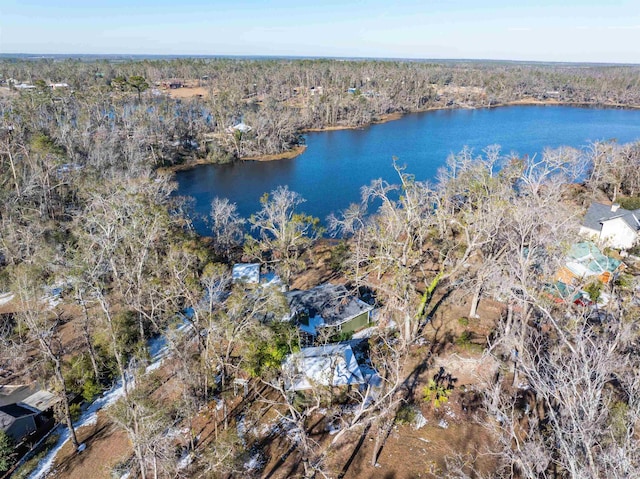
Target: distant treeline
point(277, 99)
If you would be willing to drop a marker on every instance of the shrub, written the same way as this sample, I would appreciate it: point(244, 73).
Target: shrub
point(90, 389)
point(75, 410)
point(618, 420)
point(436, 393)
point(634, 250)
point(624, 281)
point(339, 255)
point(267, 352)
point(79, 377)
point(630, 203)
point(342, 336)
point(6, 452)
point(593, 290)
point(464, 339)
point(406, 414)
point(218, 155)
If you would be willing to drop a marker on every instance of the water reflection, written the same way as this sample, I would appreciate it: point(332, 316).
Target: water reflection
point(336, 164)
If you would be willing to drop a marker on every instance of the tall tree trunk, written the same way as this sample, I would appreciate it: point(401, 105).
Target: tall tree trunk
point(116, 349)
point(13, 172)
point(87, 338)
point(65, 404)
point(407, 329)
point(141, 327)
point(509, 322)
point(473, 313)
point(141, 464)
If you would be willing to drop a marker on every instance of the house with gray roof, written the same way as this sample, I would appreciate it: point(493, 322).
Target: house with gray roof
point(12, 394)
point(327, 306)
point(17, 421)
point(611, 225)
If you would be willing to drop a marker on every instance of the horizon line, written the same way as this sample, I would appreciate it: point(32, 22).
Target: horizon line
point(107, 56)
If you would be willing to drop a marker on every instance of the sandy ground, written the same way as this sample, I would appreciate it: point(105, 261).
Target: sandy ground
point(106, 446)
point(409, 453)
point(187, 92)
point(6, 91)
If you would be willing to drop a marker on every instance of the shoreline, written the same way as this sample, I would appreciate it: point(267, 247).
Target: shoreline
point(285, 155)
point(522, 102)
point(187, 165)
point(386, 118)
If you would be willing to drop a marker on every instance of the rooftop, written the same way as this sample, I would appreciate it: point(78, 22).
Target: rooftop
point(585, 259)
point(330, 303)
point(598, 212)
point(41, 400)
point(329, 365)
point(246, 273)
point(9, 414)
point(15, 394)
point(249, 273)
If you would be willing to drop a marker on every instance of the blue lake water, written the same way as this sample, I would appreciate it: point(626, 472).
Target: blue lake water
point(336, 164)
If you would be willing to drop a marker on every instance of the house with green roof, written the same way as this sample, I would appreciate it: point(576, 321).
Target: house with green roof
point(585, 261)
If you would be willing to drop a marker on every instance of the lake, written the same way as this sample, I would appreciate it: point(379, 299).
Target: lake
point(336, 164)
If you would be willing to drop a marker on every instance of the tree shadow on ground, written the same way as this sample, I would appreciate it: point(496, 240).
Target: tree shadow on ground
point(355, 452)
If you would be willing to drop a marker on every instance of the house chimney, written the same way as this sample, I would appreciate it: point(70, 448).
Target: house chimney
point(614, 207)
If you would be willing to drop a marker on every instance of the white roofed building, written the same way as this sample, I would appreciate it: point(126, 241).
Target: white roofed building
point(242, 127)
point(248, 273)
point(331, 365)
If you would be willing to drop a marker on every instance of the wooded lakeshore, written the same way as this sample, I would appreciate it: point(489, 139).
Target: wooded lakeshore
point(481, 325)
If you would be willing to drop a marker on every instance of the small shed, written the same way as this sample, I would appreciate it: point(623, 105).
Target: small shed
point(242, 127)
point(251, 273)
point(42, 401)
point(248, 273)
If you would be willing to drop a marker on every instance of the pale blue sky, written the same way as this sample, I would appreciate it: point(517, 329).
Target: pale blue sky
point(544, 30)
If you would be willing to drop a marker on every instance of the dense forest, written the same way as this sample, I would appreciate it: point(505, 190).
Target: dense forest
point(102, 264)
point(277, 99)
